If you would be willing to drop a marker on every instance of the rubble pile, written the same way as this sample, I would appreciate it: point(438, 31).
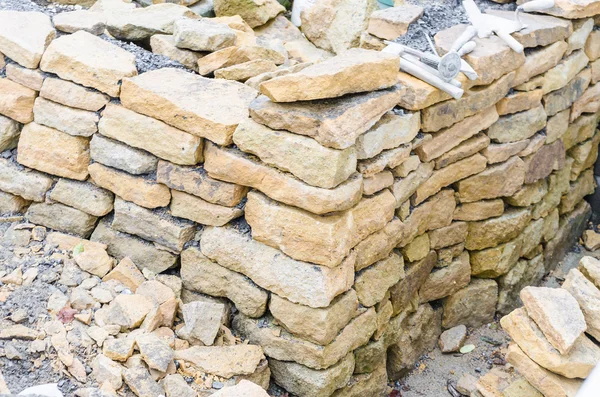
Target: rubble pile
point(288, 206)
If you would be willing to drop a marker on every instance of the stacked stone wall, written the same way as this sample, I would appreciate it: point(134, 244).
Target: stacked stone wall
point(348, 211)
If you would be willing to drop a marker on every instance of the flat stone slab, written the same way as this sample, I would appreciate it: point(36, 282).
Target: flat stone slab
point(24, 36)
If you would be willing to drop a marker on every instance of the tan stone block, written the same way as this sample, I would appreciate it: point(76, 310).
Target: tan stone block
point(121, 156)
point(529, 194)
point(432, 214)
point(387, 159)
point(541, 163)
point(163, 44)
point(402, 293)
point(532, 237)
point(409, 165)
point(60, 217)
point(479, 210)
point(72, 21)
point(90, 61)
point(196, 209)
point(541, 30)
point(519, 101)
point(255, 82)
point(242, 53)
point(334, 77)
point(391, 131)
point(452, 111)
point(233, 166)
point(377, 182)
point(418, 95)
point(535, 143)
point(146, 133)
point(324, 240)
point(300, 282)
point(446, 281)
point(84, 196)
point(580, 188)
point(202, 34)
point(314, 164)
point(9, 133)
point(30, 78)
point(72, 95)
point(24, 36)
point(491, 58)
point(524, 273)
point(565, 71)
point(581, 129)
point(496, 261)
point(11, 204)
point(449, 175)
point(29, 184)
point(448, 138)
point(417, 249)
point(472, 306)
point(208, 108)
point(494, 231)
point(378, 245)
point(139, 190)
point(254, 13)
point(518, 126)
point(371, 284)
point(550, 228)
point(557, 126)
point(588, 102)
point(403, 188)
point(453, 234)
point(391, 23)
point(76, 122)
point(335, 123)
point(499, 180)
point(592, 46)
point(581, 31)
point(54, 152)
point(558, 184)
point(127, 273)
point(245, 71)
point(564, 97)
point(539, 61)
point(16, 101)
point(535, 83)
point(500, 152)
point(584, 156)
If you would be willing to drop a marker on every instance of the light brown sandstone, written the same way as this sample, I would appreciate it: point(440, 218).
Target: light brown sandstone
point(587, 296)
point(496, 261)
point(371, 284)
point(417, 249)
point(245, 71)
point(535, 143)
point(518, 126)
point(588, 102)
point(565, 71)
point(11, 204)
point(472, 306)
point(377, 182)
point(424, 218)
point(564, 97)
point(9, 133)
point(72, 95)
point(121, 156)
point(539, 61)
point(466, 149)
point(418, 95)
point(60, 217)
point(529, 194)
point(524, 273)
point(378, 245)
point(24, 36)
point(446, 281)
point(499, 180)
point(386, 159)
point(519, 101)
point(16, 101)
point(30, 78)
point(404, 188)
point(391, 131)
point(541, 163)
point(239, 54)
point(202, 34)
point(453, 234)
point(500, 152)
point(255, 13)
point(72, 21)
point(494, 231)
point(84, 196)
point(194, 208)
point(29, 184)
point(163, 44)
point(581, 31)
point(590, 268)
point(76, 122)
point(393, 22)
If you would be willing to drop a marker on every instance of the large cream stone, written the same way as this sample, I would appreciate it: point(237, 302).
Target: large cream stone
point(255, 12)
point(355, 70)
point(200, 274)
point(578, 363)
point(588, 102)
point(232, 165)
point(16, 101)
point(61, 217)
point(24, 36)
point(30, 78)
point(139, 190)
point(141, 23)
point(90, 61)
point(404, 188)
point(335, 25)
point(540, 60)
point(572, 10)
point(371, 284)
point(299, 282)
point(496, 261)
point(324, 240)
point(472, 306)
point(11, 204)
point(444, 114)
point(499, 180)
point(194, 208)
point(209, 108)
point(565, 71)
point(588, 297)
point(447, 280)
point(195, 180)
point(84, 196)
point(30, 185)
point(518, 126)
point(335, 123)
point(317, 325)
point(466, 149)
point(72, 95)
point(391, 131)
point(494, 231)
point(159, 227)
point(202, 35)
point(557, 313)
point(76, 122)
point(54, 152)
point(152, 135)
point(9, 133)
point(302, 156)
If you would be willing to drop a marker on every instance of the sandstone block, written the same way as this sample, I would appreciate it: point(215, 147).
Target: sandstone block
point(418, 95)
point(557, 126)
point(541, 30)
point(362, 384)
point(325, 240)
point(84, 196)
point(453, 234)
point(422, 219)
point(90, 61)
point(409, 165)
point(194, 208)
point(466, 149)
point(11, 204)
point(524, 273)
point(158, 227)
point(202, 35)
point(24, 36)
point(245, 71)
point(334, 77)
point(417, 249)
point(371, 284)
point(581, 31)
point(29, 184)
point(121, 156)
point(587, 103)
point(453, 339)
point(518, 126)
point(73, 21)
point(499, 180)
point(541, 163)
point(30, 78)
point(164, 44)
point(500, 152)
point(479, 210)
point(447, 280)
point(378, 245)
point(234, 166)
point(565, 71)
point(494, 231)
point(529, 194)
point(391, 23)
point(416, 274)
point(404, 188)
point(9, 133)
point(139, 190)
point(154, 136)
point(63, 218)
point(72, 95)
point(16, 101)
point(581, 129)
point(127, 273)
point(377, 182)
point(588, 297)
point(54, 152)
point(255, 13)
point(564, 97)
point(140, 381)
point(472, 306)
point(240, 54)
point(386, 159)
point(519, 101)
point(74, 122)
point(496, 261)
point(203, 320)
point(389, 132)
point(209, 108)
point(590, 268)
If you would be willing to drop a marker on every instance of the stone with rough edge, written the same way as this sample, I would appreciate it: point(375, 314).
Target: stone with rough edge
point(494, 231)
point(140, 382)
point(447, 280)
point(588, 102)
point(72, 95)
point(30, 78)
point(11, 204)
point(518, 126)
point(90, 61)
point(202, 35)
point(565, 71)
point(389, 132)
point(403, 292)
point(194, 208)
point(210, 108)
point(466, 149)
point(404, 188)
point(245, 71)
point(121, 156)
point(255, 12)
point(499, 152)
point(163, 44)
point(539, 61)
point(564, 97)
point(9, 133)
point(24, 36)
point(524, 273)
point(495, 261)
point(28, 184)
point(371, 284)
point(203, 320)
point(588, 296)
point(393, 22)
point(499, 180)
point(16, 101)
point(127, 273)
point(519, 101)
point(73, 21)
point(453, 234)
point(472, 306)
point(541, 163)
point(479, 210)
point(541, 30)
point(377, 182)
point(84, 196)
point(218, 360)
point(378, 245)
point(76, 122)
point(60, 217)
point(453, 339)
point(590, 268)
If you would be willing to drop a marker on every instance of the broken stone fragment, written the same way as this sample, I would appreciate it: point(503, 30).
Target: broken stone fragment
point(390, 23)
point(202, 35)
point(24, 36)
point(194, 208)
point(62, 218)
point(155, 351)
point(203, 319)
point(118, 349)
point(254, 12)
point(590, 268)
point(176, 386)
point(16, 101)
point(588, 297)
point(84, 196)
point(224, 361)
point(141, 383)
point(372, 283)
point(452, 340)
point(106, 370)
point(73, 21)
point(447, 280)
point(163, 44)
point(244, 388)
point(94, 261)
point(128, 311)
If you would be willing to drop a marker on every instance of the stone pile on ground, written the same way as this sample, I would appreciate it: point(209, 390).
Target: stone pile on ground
point(332, 212)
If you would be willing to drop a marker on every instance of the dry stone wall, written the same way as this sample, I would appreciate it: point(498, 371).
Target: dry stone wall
point(348, 211)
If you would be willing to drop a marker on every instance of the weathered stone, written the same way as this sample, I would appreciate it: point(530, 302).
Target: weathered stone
point(140, 382)
point(309, 161)
point(11, 204)
point(529, 194)
point(581, 31)
point(141, 191)
point(255, 13)
point(479, 210)
point(564, 97)
point(570, 228)
point(378, 245)
point(377, 182)
point(557, 126)
point(362, 384)
point(240, 54)
point(519, 101)
point(416, 273)
point(449, 175)
point(409, 165)
point(30, 78)
point(389, 132)
point(588, 297)
point(224, 361)
point(287, 347)
point(450, 235)
point(584, 156)
point(548, 383)
point(127, 274)
point(453, 339)
point(535, 143)
point(119, 349)
point(90, 61)
point(128, 311)
point(72, 95)
point(334, 77)
point(565, 71)
point(123, 157)
point(499, 180)
point(466, 149)
point(74, 122)
point(494, 231)
point(581, 129)
point(446, 255)
point(73, 21)
point(30, 185)
point(54, 152)
point(238, 252)
point(335, 123)
point(176, 386)
point(234, 166)
point(203, 320)
point(161, 228)
point(63, 218)
point(422, 219)
point(336, 26)
point(417, 249)
point(194, 208)
point(245, 387)
point(496, 261)
point(504, 381)
point(591, 46)
point(106, 370)
point(372, 283)
point(209, 108)
point(541, 30)
point(24, 36)
point(322, 240)
point(492, 58)
point(472, 306)
point(518, 126)
point(202, 35)
point(16, 101)
point(500, 152)
point(84, 196)
point(447, 280)
point(142, 23)
point(404, 188)
point(387, 159)
point(444, 114)
point(9, 133)
point(557, 313)
point(154, 351)
point(540, 164)
point(245, 71)
point(391, 23)
point(522, 274)
point(164, 44)
point(590, 268)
